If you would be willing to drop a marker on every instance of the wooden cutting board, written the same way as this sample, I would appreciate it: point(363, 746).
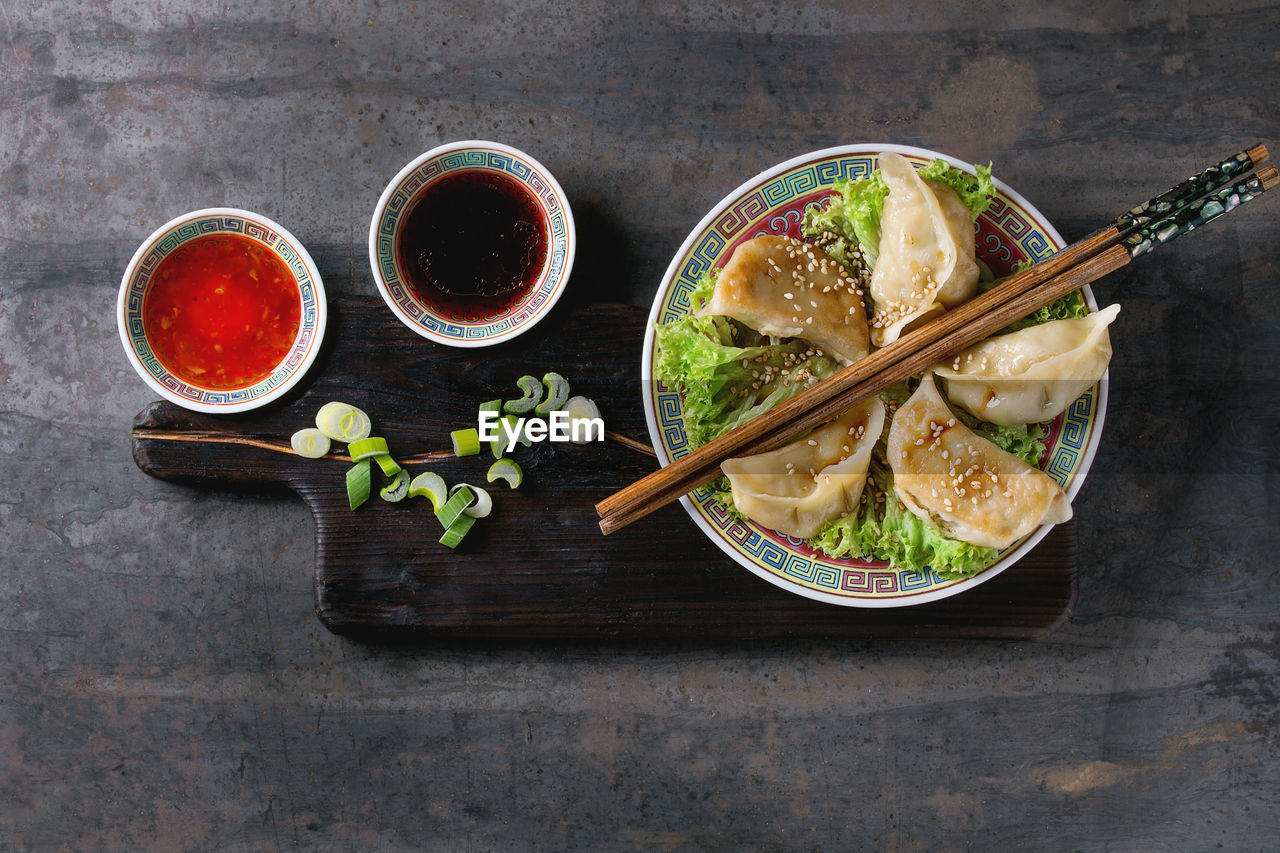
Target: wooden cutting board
point(539, 566)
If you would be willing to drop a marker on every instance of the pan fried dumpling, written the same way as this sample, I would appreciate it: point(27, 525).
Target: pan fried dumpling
point(801, 486)
point(926, 260)
point(790, 289)
point(1033, 374)
point(953, 478)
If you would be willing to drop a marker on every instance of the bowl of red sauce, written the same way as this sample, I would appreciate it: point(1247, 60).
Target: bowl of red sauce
point(472, 243)
point(221, 310)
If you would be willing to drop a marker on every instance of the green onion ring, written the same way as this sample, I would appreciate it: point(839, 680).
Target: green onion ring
point(481, 506)
point(397, 489)
point(429, 485)
point(454, 532)
point(532, 389)
point(506, 469)
point(458, 501)
point(310, 442)
point(466, 442)
point(557, 393)
point(359, 483)
point(342, 422)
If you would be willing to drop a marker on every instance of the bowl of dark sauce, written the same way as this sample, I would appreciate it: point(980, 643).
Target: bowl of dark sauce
point(472, 243)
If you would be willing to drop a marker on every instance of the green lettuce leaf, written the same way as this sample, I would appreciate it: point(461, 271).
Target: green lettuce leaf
point(853, 214)
point(726, 374)
point(976, 191)
point(1067, 307)
point(852, 217)
point(1024, 441)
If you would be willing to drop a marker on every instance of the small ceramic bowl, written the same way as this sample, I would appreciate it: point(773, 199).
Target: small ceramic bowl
point(503, 318)
point(283, 364)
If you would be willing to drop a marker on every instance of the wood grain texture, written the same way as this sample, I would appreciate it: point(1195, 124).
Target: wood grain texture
point(539, 566)
point(164, 683)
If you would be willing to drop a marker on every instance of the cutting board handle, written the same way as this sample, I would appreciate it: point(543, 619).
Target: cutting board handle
point(180, 446)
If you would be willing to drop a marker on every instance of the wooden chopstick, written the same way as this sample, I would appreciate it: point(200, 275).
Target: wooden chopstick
point(826, 400)
point(1180, 209)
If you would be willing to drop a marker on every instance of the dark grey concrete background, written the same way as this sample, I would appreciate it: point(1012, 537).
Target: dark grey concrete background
point(164, 683)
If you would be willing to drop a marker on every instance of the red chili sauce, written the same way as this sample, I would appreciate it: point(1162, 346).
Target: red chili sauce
point(473, 245)
point(221, 311)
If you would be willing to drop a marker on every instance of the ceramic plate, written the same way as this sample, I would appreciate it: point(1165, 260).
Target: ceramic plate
point(774, 202)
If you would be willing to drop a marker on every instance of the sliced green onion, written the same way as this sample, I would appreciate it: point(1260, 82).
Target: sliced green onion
point(329, 408)
point(532, 389)
point(506, 469)
point(459, 500)
point(494, 406)
point(496, 446)
point(557, 393)
point(580, 409)
point(454, 532)
point(429, 485)
point(483, 504)
point(375, 448)
point(466, 442)
point(310, 442)
point(342, 422)
point(359, 483)
point(397, 489)
point(523, 437)
point(366, 447)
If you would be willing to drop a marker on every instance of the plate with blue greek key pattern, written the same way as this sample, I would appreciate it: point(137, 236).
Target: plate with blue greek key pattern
point(1011, 231)
point(191, 226)
point(396, 201)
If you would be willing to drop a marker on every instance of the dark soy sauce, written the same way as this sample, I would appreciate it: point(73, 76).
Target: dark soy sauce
point(473, 245)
